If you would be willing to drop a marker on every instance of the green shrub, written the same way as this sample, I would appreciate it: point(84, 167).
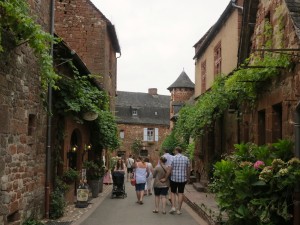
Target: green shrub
point(254, 184)
point(32, 222)
point(57, 204)
point(70, 175)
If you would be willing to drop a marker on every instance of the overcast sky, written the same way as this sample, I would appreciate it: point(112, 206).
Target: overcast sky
point(157, 38)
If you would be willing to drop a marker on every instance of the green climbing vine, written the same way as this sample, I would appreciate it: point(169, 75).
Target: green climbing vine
point(243, 86)
point(16, 20)
point(78, 95)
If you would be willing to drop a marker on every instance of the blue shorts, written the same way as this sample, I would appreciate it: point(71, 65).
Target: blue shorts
point(161, 191)
point(140, 187)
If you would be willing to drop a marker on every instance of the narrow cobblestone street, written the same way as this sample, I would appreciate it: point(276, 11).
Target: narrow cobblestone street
point(127, 211)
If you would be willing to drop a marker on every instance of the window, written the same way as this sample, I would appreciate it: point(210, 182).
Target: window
point(31, 124)
point(217, 59)
point(121, 154)
point(261, 127)
point(150, 134)
point(203, 76)
point(144, 153)
point(122, 134)
point(134, 112)
point(276, 122)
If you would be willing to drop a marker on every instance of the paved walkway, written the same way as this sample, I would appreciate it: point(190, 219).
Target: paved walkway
point(202, 203)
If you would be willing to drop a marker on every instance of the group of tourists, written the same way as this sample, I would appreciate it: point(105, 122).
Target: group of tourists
point(171, 172)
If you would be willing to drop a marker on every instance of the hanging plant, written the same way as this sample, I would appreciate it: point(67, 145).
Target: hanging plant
point(16, 20)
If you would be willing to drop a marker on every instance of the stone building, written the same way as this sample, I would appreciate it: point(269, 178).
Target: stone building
point(93, 37)
point(216, 54)
point(182, 91)
point(143, 117)
point(271, 119)
point(23, 123)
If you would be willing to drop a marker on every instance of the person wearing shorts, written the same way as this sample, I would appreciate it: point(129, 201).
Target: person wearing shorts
point(180, 174)
point(141, 174)
point(129, 165)
point(161, 188)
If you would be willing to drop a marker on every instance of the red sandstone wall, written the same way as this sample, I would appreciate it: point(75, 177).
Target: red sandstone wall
point(84, 28)
point(22, 148)
point(133, 131)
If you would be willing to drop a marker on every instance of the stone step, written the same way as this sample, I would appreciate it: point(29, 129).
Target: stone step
point(199, 187)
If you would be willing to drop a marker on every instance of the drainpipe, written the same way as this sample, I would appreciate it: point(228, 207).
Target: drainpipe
point(48, 144)
point(233, 3)
point(297, 154)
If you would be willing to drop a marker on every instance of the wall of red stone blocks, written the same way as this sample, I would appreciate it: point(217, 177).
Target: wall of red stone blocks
point(84, 28)
point(22, 149)
point(133, 131)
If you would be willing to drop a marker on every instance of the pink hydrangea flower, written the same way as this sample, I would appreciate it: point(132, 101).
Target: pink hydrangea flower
point(258, 164)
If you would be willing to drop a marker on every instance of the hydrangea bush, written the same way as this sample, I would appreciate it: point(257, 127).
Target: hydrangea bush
point(254, 184)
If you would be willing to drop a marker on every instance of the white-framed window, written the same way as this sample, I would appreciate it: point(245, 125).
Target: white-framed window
point(151, 134)
point(122, 134)
point(134, 112)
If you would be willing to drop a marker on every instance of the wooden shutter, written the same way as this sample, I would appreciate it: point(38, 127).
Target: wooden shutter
point(156, 134)
point(145, 134)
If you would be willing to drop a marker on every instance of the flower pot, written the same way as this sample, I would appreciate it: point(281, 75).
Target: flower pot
point(95, 186)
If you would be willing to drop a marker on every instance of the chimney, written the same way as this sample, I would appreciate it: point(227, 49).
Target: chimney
point(152, 91)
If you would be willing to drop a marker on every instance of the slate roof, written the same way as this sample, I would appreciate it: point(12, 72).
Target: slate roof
point(151, 109)
point(294, 8)
point(183, 81)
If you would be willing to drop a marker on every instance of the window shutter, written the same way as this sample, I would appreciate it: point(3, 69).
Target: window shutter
point(145, 134)
point(156, 134)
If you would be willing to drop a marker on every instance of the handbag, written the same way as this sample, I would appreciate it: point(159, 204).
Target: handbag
point(132, 180)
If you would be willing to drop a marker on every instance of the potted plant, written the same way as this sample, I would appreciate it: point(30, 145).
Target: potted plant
point(94, 172)
point(70, 176)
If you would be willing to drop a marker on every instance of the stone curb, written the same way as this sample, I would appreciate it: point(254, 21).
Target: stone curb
point(200, 212)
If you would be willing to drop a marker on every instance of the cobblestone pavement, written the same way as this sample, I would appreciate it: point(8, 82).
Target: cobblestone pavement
point(202, 203)
point(74, 215)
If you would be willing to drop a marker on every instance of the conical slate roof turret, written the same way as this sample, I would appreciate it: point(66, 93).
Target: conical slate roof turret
point(183, 81)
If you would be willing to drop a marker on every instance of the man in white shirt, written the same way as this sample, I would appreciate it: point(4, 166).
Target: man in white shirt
point(129, 165)
point(169, 158)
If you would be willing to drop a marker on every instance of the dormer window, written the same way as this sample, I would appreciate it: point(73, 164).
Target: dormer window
point(134, 112)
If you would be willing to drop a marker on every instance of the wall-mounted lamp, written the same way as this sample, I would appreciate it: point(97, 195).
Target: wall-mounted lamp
point(74, 148)
point(87, 147)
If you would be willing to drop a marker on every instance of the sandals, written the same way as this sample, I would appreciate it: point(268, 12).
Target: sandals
point(155, 211)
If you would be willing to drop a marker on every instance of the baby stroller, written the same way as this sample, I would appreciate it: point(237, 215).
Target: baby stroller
point(118, 189)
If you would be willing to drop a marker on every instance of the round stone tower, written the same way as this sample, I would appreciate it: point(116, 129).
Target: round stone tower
point(182, 91)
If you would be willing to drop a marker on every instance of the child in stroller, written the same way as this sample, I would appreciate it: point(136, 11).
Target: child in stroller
point(118, 180)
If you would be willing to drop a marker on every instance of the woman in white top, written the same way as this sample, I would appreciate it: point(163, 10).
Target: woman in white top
point(141, 173)
point(148, 185)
